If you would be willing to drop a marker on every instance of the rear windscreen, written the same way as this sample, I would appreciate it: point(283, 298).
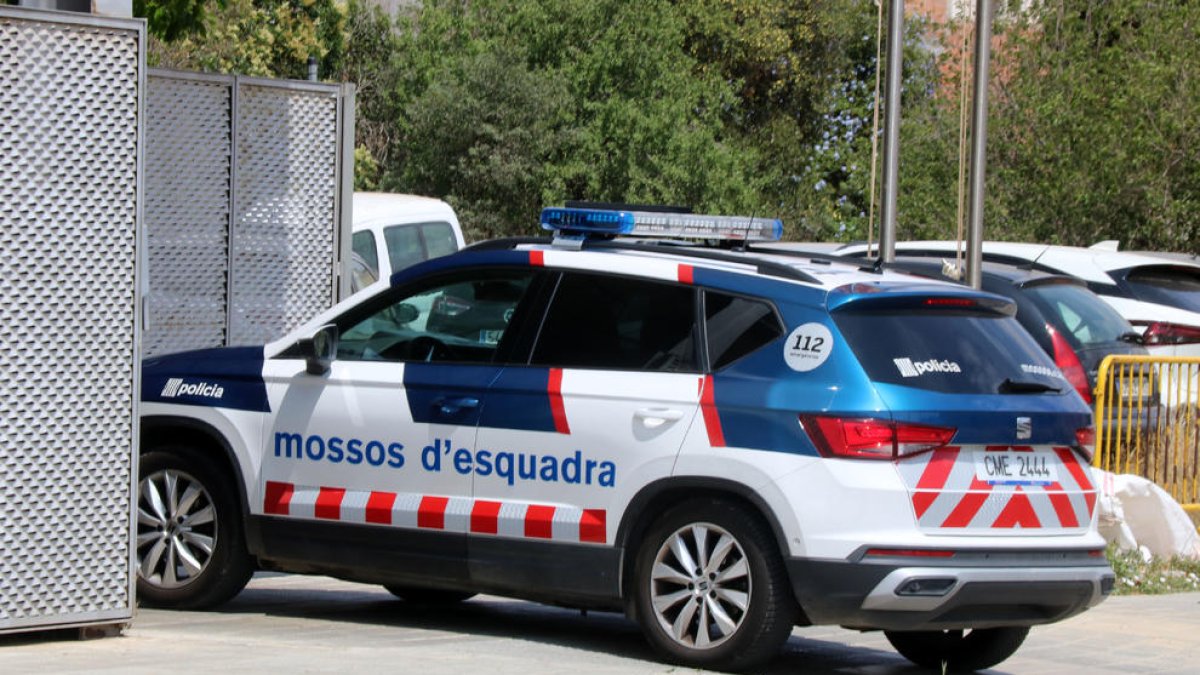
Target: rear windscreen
point(949, 352)
point(1166, 286)
point(1081, 314)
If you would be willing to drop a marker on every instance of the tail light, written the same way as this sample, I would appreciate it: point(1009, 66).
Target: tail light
point(1085, 442)
point(1069, 364)
point(1163, 333)
point(865, 438)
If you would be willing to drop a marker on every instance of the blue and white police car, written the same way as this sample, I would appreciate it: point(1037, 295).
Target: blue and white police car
point(723, 443)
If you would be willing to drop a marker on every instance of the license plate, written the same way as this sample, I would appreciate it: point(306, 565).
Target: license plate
point(1008, 467)
point(1133, 390)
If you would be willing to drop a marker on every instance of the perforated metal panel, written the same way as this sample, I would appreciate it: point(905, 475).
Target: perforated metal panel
point(189, 146)
point(69, 170)
point(245, 184)
point(284, 236)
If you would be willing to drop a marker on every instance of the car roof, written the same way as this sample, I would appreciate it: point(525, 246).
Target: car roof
point(1090, 264)
point(396, 208)
point(1018, 275)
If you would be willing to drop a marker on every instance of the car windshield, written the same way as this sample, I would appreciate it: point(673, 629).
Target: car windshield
point(950, 352)
point(1080, 313)
point(1173, 286)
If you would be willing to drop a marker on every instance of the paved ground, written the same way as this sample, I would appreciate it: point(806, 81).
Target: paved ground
point(289, 624)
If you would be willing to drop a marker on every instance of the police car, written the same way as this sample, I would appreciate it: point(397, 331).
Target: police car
point(721, 442)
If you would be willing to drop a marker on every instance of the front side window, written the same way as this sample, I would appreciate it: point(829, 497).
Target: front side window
point(363, 245)
point(460, 320)
point(597, 321)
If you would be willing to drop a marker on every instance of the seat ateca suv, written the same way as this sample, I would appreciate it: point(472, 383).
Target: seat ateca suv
point(721, 443)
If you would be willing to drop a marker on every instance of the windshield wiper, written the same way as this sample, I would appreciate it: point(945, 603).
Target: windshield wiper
point(1011, 386)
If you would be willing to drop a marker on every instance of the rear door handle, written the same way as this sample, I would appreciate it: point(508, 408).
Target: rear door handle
point(656, 417)
point(451, 405)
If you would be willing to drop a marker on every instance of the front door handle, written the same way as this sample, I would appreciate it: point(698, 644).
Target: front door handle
point(450, 405)
point(653, 418)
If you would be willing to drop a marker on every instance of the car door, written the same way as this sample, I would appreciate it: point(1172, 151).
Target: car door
point(372, 442)
point(600, 411)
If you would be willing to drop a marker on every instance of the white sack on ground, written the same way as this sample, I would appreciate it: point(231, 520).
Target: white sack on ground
point(1137, 514)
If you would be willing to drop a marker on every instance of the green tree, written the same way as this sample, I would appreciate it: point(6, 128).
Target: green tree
point(1093, 126)
point(503, 106)
point(267, 38)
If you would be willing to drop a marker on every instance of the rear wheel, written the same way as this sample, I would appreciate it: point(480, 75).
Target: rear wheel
point(190, 544)
point(427, 596)
point(710, 588)
point(958, 650)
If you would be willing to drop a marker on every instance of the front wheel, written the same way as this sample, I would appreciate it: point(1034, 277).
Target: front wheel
point(190, 544)
point(956, 650)
point(710, 590)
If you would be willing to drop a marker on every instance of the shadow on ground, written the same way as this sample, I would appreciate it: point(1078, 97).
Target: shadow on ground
point(601, 632)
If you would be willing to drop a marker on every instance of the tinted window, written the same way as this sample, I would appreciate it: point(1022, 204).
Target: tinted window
point(461, 320)
point(737, 326)
point(949, 352)
point(1166, 286)
point(403, 245)
point(439, 239)
point(608, 322)
point(1080, 314)
point(363, 245)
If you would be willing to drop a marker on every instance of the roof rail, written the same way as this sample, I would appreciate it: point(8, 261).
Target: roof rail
point(765, 267)
point(871, 265)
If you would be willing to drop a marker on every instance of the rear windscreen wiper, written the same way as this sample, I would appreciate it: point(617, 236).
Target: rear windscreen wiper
point(1131, 336)
point(1011, 386)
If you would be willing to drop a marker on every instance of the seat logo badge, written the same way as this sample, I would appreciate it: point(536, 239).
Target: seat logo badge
point(1024, 428)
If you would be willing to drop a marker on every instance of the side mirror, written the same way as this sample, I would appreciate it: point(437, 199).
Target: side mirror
point(319, 349)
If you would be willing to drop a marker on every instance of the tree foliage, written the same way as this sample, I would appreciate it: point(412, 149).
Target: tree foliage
point(1095, 135)
point(755, 106)
point(266, 38)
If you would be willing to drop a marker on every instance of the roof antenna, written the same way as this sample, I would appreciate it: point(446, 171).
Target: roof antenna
point(746, 235)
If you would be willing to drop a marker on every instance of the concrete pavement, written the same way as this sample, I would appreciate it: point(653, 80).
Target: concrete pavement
point(316, 624)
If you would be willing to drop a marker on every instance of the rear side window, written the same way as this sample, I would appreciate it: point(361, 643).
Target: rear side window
point(1080, 314)
point(951, 352)
point(737, 326)
point(1177, 287)
point(439, 239)
point(597, 321)
point(403, 245)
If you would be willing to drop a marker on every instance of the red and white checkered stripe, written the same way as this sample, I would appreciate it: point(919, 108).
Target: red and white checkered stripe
point(947, 495)
point(432, 512)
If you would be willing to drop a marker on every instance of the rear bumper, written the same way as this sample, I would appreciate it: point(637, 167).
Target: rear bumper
point(978, 591)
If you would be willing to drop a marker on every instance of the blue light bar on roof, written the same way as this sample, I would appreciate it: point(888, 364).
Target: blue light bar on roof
point(585, 222)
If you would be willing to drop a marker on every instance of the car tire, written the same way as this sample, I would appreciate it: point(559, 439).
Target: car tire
point(956, 650)
point(428, 596)
point(191, 547)
point(710, 590)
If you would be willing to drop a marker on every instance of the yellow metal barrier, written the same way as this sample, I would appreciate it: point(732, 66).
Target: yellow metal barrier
point(1148, 422)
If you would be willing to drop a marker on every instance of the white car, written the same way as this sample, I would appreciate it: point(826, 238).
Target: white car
point(1157, 293)
point(394, 231)
point(718, 443)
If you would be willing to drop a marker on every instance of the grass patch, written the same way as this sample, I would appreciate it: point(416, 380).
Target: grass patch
point(1135, 576)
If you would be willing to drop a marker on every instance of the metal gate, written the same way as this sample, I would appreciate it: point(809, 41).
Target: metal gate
point(248, 185)
point(1148, 422)
point(70, 192)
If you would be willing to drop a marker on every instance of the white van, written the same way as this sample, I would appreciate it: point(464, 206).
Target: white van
point(393, 231)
